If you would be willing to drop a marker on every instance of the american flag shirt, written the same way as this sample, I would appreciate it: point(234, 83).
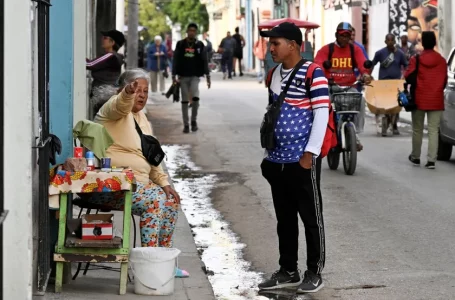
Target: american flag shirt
point(294, 128)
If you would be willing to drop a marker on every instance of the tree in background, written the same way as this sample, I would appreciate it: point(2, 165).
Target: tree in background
point(151, 17)
point(186, 11)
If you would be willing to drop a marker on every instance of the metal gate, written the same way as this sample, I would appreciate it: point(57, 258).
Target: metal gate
point(43, 141)
point(2, 211)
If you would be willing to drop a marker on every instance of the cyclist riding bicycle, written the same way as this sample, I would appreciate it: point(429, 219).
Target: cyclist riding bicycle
point(341, 60)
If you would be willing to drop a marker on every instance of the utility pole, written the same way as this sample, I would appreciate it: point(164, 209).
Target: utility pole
point(133, 37)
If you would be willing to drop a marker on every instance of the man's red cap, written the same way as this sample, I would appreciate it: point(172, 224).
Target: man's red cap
point(433, 3)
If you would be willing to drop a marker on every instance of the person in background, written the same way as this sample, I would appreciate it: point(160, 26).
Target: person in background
point(406, 46)
point(238, 51)
point(208, 45)
point(106, 69)
point(342, 71)
point(358, 44)
point(226, 48)
point(260, 51)
point(157, 63)
point(190, 63)
point(392, 61)
point(429, 98)
point(154, 200)
point(293, 168)
point(170, 52)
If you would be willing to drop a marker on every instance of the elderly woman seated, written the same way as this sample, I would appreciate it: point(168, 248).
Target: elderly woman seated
point(154, 200)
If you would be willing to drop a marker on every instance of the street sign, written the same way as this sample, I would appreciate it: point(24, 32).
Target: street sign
point(217, 16)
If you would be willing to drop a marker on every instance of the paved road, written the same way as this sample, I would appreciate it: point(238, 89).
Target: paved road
point(390, 227)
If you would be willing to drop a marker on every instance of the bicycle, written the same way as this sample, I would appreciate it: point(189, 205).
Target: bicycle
point(346, 106)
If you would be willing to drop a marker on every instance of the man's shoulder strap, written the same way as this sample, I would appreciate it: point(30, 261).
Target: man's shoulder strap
point(417, 62)
point(309, 77)
point(331, 50)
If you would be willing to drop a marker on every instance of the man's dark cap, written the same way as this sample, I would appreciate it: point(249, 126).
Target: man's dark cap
point(428, 40)
point(116, 36)
point(285, 30)
point(344, 27)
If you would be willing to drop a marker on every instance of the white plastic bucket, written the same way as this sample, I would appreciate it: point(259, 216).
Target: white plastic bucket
point(154, 270)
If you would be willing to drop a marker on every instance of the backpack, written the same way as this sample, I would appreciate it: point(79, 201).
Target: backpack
point(412, 80)
point(330, 137)
point(351, 47)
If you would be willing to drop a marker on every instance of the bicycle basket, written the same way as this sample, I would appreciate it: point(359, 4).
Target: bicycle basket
point(347, 102)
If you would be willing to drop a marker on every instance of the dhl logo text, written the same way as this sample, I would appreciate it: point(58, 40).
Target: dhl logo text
point(341, 63)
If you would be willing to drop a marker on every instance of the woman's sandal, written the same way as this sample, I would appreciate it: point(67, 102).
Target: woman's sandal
point(179, 273)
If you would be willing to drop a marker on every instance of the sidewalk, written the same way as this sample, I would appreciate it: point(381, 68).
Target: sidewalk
point(104, 284)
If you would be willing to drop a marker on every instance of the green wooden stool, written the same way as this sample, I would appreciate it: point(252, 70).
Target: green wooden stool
point(71, 249)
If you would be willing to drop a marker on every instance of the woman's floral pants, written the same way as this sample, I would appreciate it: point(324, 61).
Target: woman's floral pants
point(158, 214)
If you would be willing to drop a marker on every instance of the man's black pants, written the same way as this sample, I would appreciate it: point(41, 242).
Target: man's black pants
point(296, 191)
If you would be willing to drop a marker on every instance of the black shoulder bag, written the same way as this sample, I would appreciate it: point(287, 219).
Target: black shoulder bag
point(273, 111)
point(412, 80)
point(151, 148)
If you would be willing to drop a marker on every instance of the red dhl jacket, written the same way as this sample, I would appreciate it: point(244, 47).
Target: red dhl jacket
point(341, 70)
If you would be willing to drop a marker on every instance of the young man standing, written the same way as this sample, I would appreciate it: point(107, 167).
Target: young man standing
point(392, 60)
point(293, 168)
point(429, 98)
point(190, 63)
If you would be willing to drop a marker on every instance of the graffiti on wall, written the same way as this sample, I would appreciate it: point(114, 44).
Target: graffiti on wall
point(413, 17)
point(423, 16)
point(398, 16)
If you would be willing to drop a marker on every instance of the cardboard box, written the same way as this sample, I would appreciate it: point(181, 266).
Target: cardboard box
point(97, 227)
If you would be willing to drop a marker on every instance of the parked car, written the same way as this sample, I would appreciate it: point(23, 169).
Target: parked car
point(447, 130)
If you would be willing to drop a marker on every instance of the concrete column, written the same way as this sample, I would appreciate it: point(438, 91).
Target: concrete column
point(80, 104)
point(17, 229)
point(61, 75)
point(445, 26)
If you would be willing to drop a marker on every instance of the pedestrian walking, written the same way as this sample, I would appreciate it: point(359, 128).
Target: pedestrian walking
point(238, 51)
point(428, 71)
point(227, 47)
point(170, 52)
point(293, 168)
point(392, 61)
point(157, 64)
point(190, 63)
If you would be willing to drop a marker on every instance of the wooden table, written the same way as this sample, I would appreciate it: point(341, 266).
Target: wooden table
point(72, 249)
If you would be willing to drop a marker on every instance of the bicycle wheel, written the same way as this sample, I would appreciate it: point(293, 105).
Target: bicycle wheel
point(333, 158)
point(350, 153)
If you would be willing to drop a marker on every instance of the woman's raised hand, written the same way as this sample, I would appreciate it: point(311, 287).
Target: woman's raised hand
point(132, 87)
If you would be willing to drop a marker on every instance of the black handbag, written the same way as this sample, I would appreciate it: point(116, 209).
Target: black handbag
point(268, 125)
point(412, 80)
point(151, 148)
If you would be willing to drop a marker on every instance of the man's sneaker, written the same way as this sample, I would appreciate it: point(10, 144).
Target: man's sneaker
point(311, 283)
point(396, 132)
point(194, 126)
point(186, 129)
point(281, 279)
point(430, 165)
point(415, 161)
point(224, 75)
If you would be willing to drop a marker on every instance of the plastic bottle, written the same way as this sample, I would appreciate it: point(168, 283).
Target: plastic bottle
point(90, 160)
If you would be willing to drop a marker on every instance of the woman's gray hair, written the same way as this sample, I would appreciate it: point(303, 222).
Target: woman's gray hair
point(100, 95)
point(130, 76)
